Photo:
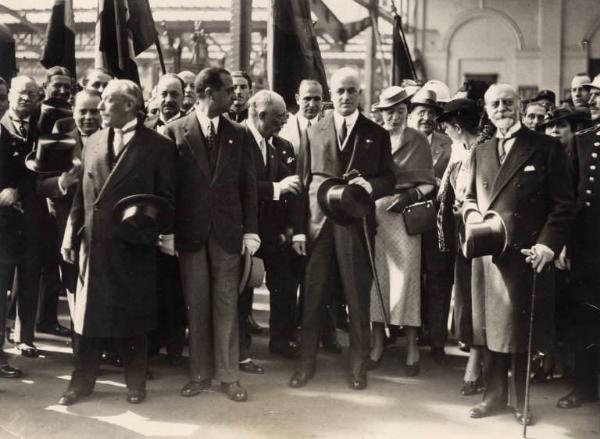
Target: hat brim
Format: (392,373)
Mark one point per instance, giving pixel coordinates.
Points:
(334,215)
(382,106)
(161,203)
(253,272)
(32,164)
(437,108)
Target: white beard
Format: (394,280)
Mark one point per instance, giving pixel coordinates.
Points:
(505,123)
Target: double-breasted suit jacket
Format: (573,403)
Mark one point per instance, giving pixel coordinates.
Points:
(116,292)
(532,192)
(371,157)
(223,201)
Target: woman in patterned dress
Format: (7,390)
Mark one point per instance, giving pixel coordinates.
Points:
(398,254)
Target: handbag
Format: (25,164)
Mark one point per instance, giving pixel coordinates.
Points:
(419,217)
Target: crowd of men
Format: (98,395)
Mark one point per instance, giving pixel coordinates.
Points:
(231,172)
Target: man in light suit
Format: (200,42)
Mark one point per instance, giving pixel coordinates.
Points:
(215,219)
(116,291)
(437,267)
(524,177)
(343,140)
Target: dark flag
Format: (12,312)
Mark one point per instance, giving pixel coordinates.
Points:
(294,52)
(60,37)
(125,28)
(402,64)
(8,66)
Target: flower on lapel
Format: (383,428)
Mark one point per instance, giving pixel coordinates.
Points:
(290,160)
(230,141)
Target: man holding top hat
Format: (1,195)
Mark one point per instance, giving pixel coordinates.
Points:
(342,144)
(121,205)
(522,176)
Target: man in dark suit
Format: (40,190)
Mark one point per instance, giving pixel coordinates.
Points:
(116,291)
(215,219)
(19,127)
(524,177)
(437,267)
(242,89)
(276,182)
(583,295)
(343,140)
(170,331)
(59,191)
(20,217)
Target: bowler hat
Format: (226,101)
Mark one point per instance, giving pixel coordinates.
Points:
(487,238)
(52,110)
(425,98)
(140,217)
(253,272)
(52,155)
(343,203)
(459,108)
(391,96)
(560,114)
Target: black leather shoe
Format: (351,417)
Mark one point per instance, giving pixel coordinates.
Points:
(573,400)
(371,364)
(193,388)
(174,359)
(136,396)
(28,351)
(300,378)
(7,371)
(53,329)
(235,391)
(287,350)
(439,356)
(331,346)
(251,367)
(254,327)
(482,410)
(71,396)
(412,370)
(520,417)
(358,382)
(472,387)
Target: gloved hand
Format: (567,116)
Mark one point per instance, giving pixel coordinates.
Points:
(251,242)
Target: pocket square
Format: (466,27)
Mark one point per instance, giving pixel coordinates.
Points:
(369,141)
(15,154)
(529,168)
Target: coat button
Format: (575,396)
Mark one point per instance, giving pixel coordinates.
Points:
(588,204)
(592,167)
(594,155)
(588,191)
(596,143)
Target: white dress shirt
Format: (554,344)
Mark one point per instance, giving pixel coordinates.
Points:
(261,142)
(126,133)
(510,135)
(338,120)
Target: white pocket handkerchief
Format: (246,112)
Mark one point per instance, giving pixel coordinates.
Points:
(529,168)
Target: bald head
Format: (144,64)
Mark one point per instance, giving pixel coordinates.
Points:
(502,105)
(345,91)
(266,110)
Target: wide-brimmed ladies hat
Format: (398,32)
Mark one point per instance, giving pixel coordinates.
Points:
(573,116)
(459,108)
(391,96)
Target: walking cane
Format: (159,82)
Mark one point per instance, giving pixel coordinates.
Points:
(529,347)
(375,278)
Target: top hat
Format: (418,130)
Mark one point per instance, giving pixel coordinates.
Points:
(253,272)
(343,203)
(53,154)
(560,114)
(391,96)
(459,108)
(487,238)
(140,217)
(52,110)
(426,98)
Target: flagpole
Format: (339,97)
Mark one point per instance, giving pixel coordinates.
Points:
(384,69)
(160,56)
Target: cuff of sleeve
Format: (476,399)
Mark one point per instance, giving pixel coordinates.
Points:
(299,238)
(253,236)
(61,188)
(276,191)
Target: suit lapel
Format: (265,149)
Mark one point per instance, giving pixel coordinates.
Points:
(330,145)
(261,170)
(436,148)
(226,139)
(195,142)
(272,161)
(10,126)
(520,152)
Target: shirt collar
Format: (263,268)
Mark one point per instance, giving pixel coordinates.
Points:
(129,126)
(350,119)
(15,117)
(205,120)
(257,136)
(510,133)
(303,121)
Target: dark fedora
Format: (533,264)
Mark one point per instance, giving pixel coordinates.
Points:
(253,272)
(459,108)
(343,203)
(487,238)
(426,98)
(140,217)
(52,155)
(51,111)
(572,116)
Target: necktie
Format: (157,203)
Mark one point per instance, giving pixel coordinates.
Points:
(502,149)
(263,150)
(211,138)
(118,141)
(343,132)
(23,128)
